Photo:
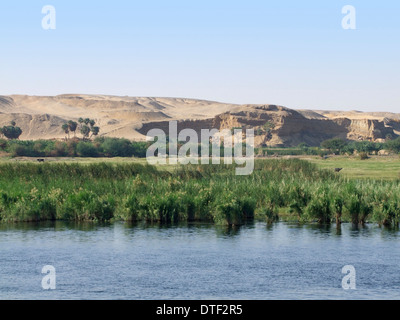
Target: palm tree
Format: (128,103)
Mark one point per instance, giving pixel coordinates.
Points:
(95,131)
(65,127)
(87,127)
(72,126)
(85,130)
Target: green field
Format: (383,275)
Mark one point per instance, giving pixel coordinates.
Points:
(377,168)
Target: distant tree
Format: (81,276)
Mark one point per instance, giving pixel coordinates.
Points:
(268,127)
(114,147)
(393,145)
(11,132)
(86,149)
(85,130)
(65,128)
(334,145)
(367,146)
(87,127)
(72,126)
(95,131)
(59,150)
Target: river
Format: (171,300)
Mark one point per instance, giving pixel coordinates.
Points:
(284,261)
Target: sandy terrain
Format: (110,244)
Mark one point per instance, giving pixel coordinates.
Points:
(42,117)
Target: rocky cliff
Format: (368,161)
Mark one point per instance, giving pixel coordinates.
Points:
(133,117)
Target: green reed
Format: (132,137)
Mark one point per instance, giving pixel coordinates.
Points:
(277,190)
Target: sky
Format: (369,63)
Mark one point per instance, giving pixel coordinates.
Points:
(287,52)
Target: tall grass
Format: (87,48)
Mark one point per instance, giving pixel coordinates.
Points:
(278,189)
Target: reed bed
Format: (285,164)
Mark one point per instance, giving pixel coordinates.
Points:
(278,189)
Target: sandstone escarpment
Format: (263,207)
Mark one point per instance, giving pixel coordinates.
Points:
(134,117)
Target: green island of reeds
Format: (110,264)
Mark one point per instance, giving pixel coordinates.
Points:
(279,189)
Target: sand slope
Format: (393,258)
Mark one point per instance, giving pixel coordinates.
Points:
(41,117)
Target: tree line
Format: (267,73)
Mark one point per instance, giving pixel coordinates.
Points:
(341,146)
(99,147)
(87,127)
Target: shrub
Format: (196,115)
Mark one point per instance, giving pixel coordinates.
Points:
(19,151)
(85,206)
(353,207)
(388,213)
(298,198)
(393,145)
(228,210)
(3,144)
(11,132)
(338,204)
(113,147)
(60,149)
(334,145)
(269,213)
(364,156)
(247,206)
(86,149)
(131,209)
(319,208)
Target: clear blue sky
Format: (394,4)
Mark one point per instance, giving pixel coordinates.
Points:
(287,52)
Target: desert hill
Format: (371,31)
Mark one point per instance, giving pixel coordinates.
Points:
(132,117)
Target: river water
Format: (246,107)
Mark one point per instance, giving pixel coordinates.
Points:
(283,261)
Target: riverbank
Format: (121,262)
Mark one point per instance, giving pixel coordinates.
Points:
(279,189)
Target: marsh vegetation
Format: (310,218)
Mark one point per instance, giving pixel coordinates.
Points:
(290,190)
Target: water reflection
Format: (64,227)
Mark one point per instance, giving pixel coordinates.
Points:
(227,231)
(389,232)
(338,229)
(309,229)
(27,226)
(360,230)
(220,230)
(53,226)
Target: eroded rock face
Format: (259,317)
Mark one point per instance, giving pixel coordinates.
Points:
(280,126)
(134,117)
(290,128)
